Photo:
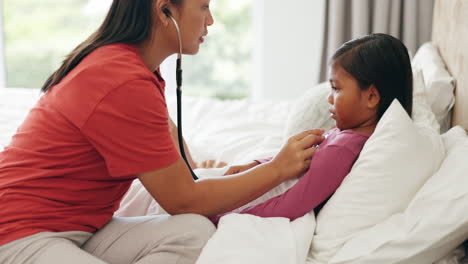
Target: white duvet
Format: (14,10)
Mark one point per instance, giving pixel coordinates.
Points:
(246,239)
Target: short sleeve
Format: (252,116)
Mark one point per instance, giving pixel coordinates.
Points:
(129,128)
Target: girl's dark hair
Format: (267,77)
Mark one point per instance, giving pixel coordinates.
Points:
(383,61)
(128,21)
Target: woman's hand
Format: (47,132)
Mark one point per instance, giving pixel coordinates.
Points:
(295,156)
(240,168)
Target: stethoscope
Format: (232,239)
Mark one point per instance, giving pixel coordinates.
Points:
(179,93)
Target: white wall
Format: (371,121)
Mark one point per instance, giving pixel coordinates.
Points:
(2,50)
(288,44)
(168,68)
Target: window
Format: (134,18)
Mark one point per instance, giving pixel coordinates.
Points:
(39,34)
(223,66)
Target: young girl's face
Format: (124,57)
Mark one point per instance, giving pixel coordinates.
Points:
(351,107)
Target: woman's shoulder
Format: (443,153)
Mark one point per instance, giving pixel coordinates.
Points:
(119,61)
(112,72)
(108,68)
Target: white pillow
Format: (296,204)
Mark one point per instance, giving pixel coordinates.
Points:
(438,81)
(422,114)
(435,222)
(393,165)
(310,111)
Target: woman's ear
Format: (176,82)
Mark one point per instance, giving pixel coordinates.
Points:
(373,97)
(159,13)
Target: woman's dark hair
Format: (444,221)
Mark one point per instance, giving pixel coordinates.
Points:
(128,21)
(383,61)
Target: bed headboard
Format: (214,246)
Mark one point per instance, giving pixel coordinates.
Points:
(449,34)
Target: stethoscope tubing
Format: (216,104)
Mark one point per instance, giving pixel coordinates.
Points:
(179,132)
(179,99)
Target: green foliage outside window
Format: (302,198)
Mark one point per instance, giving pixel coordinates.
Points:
(222,68)
(39,34)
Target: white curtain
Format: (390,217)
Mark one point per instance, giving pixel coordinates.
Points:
(408,20)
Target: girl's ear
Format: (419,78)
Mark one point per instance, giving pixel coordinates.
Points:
(373,97)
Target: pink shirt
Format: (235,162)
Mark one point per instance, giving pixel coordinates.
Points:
(330,164)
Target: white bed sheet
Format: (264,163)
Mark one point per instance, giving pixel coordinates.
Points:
(235,131)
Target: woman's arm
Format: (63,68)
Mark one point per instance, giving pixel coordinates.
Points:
(177,193)
(241,168)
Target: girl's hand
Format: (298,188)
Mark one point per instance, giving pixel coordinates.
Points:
(206,164)
(295,156)
(240,168)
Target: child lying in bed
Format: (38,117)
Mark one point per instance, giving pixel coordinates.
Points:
(366,75)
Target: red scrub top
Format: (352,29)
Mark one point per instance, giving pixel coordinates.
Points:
(78,150)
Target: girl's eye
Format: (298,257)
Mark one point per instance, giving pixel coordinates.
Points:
(334,88)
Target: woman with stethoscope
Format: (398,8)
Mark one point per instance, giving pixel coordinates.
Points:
(101,123)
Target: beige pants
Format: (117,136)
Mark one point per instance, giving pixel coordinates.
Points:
(147,239)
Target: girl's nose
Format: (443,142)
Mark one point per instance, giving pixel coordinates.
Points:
(330,98)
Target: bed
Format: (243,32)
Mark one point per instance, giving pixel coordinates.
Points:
(241,130)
